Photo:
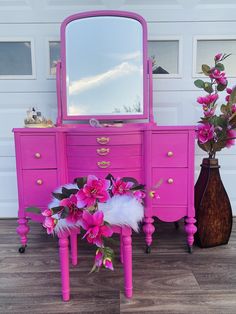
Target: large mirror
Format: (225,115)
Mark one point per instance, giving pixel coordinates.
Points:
(104,68)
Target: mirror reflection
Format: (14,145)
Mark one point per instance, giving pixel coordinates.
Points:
(104,66)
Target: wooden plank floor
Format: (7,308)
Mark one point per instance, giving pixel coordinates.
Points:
(169,280)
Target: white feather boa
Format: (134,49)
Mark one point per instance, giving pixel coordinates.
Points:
(120,210)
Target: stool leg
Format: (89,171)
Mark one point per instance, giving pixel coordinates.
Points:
(74,247)
(64,262)
(127,256)
(121,250)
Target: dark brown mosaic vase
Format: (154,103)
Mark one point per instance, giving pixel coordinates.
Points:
(212,205)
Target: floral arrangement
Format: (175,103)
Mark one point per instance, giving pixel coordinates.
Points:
(216,131)
(93,205)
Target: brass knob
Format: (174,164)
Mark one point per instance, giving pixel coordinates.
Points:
(103,164)
(170,181)
(39,181)
(170,154)
(37,155)
(103,140)
(103,151)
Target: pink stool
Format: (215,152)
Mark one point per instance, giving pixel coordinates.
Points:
(125,257)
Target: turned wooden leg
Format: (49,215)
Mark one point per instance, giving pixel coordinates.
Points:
(190,229)
(127,263)
(23,230)
(74,247)
(121,249)
(64,264)
(148,229)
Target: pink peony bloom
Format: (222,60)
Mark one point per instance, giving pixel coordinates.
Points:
(205,132)
(95,189)
(49,224)
(75,214)
(231,134)
(218,76)
(95,227)
(233,108)
(218,56)
(139,195)
(120,187)
(207,100)
(98,258)
(108,263)
(47,213)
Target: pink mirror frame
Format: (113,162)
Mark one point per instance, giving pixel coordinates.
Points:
(61,71)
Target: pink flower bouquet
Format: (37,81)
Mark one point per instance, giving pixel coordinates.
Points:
(216,131)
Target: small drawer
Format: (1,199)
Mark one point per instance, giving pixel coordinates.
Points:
(104,139)
(104,162)
(38,152)
(169,150)
(111,151)
(38,186)
(173,189)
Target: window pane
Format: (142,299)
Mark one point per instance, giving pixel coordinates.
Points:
(165,56)
(15,58)
(207,49)
(54,48)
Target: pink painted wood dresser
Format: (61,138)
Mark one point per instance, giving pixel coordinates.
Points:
(113,84)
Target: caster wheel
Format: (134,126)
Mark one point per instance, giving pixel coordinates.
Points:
(148,249)
(176,225)
(22,249)
(190,249)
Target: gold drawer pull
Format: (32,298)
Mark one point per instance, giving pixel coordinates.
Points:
(103,151)
(103,164)
(170,181)
(39,182)
(103,140)
(170,154)
(37,155)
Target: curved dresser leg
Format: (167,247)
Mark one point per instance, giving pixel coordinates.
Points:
(148,229)
(127,263)
(23,230)
(190,229)
(64,264)
(74,247)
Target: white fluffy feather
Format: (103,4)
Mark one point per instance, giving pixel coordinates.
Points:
(123,210)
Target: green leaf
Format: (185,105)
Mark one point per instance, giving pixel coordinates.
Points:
(80,182)
(57,209)
(59,196)
(32,209)
(232,97)
(138,187)
(68,192)
(65,212)
(208,87)
(199,83)
(221,87)
(206,69)
(110,177)
(206,146)
(220,66)
(130,179)
(223,109)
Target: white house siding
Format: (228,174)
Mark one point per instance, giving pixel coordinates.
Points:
(174,98)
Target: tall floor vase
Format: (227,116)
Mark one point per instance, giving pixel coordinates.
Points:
(212,205)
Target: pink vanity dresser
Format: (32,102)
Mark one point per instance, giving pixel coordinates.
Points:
(104,74)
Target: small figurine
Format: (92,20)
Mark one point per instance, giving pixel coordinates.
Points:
(34,119)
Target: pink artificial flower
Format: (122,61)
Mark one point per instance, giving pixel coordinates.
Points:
(154,195)
(94,225)
(233,108)
(207,100)
(95,189)
(98,258)
(139,195)
(218,76)
(208,112)
(108,263)
(49,224)
(227,98)
(120,187)
(47,213)
(229,90)
(75,214)
(205,132)
(231,134)
(218,56)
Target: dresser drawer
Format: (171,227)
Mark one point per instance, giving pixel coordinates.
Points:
(38,152)
(173,189)
(112,151)
(104,139)
(38,186)
(169,150)
(105,162)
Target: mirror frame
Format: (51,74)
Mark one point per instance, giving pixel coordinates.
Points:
(83,15)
